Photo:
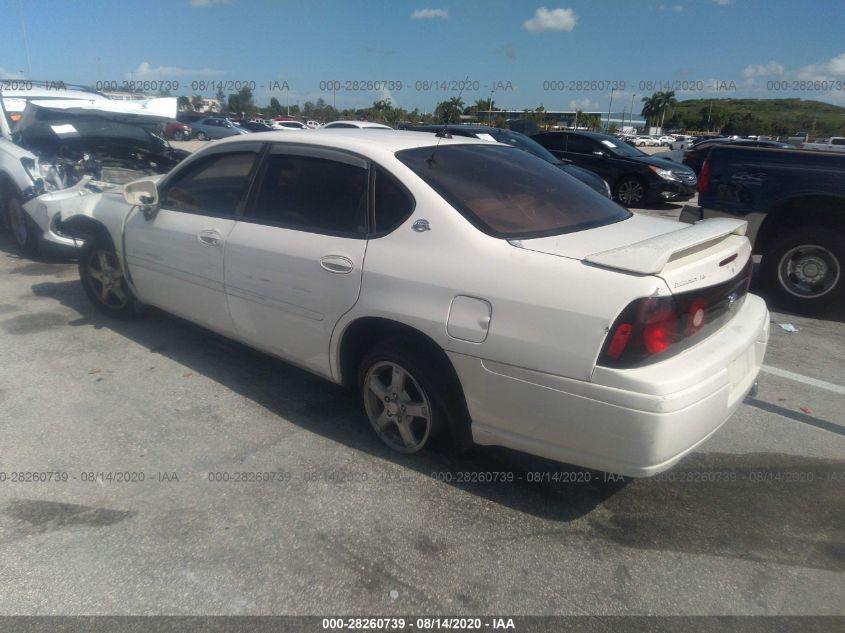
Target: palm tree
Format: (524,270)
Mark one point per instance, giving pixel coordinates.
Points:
(667,100)
(651,107)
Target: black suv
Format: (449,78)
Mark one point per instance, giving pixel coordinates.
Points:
(635,178)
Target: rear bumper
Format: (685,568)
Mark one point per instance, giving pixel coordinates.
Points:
(635,422)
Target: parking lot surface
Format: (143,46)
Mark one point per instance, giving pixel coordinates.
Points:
(191,475)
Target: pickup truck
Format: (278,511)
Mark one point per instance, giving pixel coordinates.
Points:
(794,203)
(832,144)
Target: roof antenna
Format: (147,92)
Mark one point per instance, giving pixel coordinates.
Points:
(444,133)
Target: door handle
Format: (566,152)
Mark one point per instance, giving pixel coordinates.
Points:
(210,237)
(337,264)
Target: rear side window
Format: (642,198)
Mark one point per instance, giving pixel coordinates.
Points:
(213,186)
(556,142)
(393,204)
(508,193)
(580,144)
(312,194)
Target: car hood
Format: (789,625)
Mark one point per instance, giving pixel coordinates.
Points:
(662,163)
(46,124)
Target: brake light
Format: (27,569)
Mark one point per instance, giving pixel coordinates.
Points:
(704,177)
(660,330)
(651,328)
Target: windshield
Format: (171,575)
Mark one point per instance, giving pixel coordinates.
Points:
(508,193)
(620,148)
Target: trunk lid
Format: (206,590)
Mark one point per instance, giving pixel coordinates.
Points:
(687,257)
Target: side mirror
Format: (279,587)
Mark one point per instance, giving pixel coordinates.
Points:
(600,153)
(142,193)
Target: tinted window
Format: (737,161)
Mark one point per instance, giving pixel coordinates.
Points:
(554,142)
(313,194)
(393,204)
(579,144)
(509,193)
(213,186)
(332,125)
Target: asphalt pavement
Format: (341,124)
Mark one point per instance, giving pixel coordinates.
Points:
(151,467)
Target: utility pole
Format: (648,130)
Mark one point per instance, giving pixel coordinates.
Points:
(610,105)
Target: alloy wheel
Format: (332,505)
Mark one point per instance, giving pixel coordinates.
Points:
(630,192)
(106,278)
(397,406)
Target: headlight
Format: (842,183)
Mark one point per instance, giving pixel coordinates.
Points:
(666,174)
(606,188)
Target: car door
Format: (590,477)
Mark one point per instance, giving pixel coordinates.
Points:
(587,153)
(175,257)
(294,261)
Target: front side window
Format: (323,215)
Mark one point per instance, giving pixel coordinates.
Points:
(312,194)
(508,193)
(214,186)
(579,145)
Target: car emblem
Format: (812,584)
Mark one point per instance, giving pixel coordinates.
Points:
(732,299)
(421,226)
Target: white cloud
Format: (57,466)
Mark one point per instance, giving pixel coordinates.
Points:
(8,74)
(763,70)
(430,14)
(833,68)
(678,8)
(551,20)
(722,2)
(583,104)
(200,4)
(145,71)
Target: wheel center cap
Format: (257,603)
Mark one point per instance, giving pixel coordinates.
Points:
(392,408)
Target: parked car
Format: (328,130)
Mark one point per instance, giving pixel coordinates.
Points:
(634,177)
(253,126)
(473,312)
(694,156)
(66,150)
(216,127)
(176,131)
(794,203)
(665,141)
(832,144)
(645,141)
(355,124)
(289,125)
(313,124)
(522,142)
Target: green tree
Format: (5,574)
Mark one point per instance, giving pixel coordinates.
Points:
(449,111)
(275,108)
(220,97)
(197,103)
(183,103)
(651,108)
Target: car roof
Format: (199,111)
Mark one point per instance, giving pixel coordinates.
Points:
(356,140)
(359,123)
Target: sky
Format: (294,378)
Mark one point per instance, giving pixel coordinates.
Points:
(520,53)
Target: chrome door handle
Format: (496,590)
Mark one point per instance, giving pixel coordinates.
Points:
(337,264)
(210,238)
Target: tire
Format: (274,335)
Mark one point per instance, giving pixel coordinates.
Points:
(181,135)
(396,378)
(202,136)
(630,191)
(25,232)
(102,279)
(804,271)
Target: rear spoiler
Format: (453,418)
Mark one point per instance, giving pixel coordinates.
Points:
(650,256)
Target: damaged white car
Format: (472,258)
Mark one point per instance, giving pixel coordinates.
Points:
(59,149)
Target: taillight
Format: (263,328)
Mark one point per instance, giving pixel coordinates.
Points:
(704,177)
(660,330)
(651,328)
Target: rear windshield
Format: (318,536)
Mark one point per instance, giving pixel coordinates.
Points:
(508,193)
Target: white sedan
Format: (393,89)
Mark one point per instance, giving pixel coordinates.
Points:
(459,286)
